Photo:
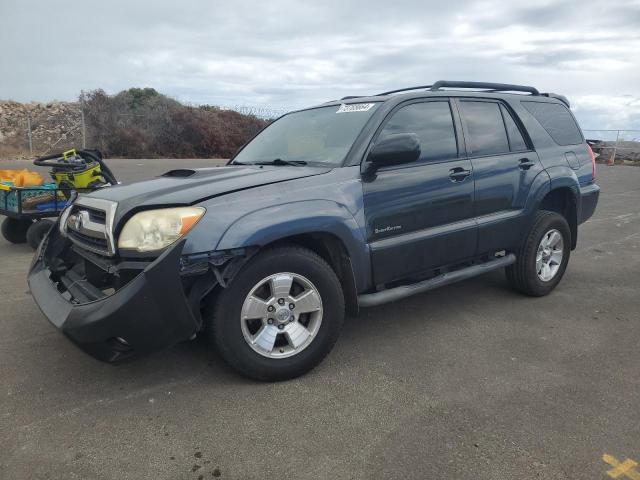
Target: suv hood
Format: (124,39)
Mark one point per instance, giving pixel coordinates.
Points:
(190,186)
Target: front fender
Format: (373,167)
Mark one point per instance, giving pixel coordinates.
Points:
(270,224)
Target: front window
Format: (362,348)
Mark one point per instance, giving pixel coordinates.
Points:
(320,136)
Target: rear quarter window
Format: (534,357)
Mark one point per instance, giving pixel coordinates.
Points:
(556,120)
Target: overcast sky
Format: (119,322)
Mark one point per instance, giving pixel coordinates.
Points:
(285,54)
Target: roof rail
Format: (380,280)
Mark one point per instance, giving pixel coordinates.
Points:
(423,87)
(494,87)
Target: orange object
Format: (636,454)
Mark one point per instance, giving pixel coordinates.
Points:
(21,178)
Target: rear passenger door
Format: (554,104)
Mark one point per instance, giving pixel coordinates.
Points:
(504,166)
(420,215)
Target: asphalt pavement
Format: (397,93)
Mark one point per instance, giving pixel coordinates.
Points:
(471,381)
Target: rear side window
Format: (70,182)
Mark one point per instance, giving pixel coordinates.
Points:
(556,120)
(516,140)
(432,122)
(486,132)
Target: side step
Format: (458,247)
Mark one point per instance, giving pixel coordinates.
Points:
(397,293)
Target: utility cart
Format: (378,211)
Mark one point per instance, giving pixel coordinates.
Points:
(29,209)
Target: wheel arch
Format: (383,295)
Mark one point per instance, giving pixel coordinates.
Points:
(324,227)
(332,250)
(563,200)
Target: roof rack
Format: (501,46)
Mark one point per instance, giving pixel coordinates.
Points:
(493,87)
(423,87)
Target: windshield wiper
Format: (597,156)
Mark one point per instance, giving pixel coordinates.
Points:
(279,162)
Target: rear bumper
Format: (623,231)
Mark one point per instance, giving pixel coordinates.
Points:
(589,195)
(149,313)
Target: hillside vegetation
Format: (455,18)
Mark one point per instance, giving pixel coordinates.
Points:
(135,123)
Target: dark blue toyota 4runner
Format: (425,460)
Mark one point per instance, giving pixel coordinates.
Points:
(349,204)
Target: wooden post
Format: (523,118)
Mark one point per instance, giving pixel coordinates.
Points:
(612,158)
(29,134)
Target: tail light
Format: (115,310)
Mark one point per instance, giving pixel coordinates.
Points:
(593,163)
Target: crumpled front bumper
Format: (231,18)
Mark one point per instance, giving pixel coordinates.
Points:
(148,314)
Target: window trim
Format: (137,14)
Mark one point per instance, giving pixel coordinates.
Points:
(504,109)
(460,146)
(465,127)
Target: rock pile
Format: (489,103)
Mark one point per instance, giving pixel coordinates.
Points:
(625,151)
(50,123)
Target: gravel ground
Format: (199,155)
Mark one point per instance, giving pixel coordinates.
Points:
(471,381)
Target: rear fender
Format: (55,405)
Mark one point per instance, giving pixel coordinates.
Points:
(564,177)
(540,186)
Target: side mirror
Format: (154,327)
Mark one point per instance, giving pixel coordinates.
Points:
(395,149)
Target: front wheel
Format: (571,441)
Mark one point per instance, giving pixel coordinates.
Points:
(543,259)
(280,316)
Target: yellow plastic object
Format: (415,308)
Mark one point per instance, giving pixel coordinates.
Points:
(21,178)
(69,153)
(78,179)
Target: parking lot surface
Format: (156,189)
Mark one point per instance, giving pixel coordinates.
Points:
(472,381)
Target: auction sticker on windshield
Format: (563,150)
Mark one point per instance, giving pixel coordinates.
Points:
(355,107)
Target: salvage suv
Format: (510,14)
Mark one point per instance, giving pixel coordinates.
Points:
(349,204)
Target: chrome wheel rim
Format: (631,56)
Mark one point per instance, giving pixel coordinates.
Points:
(281,315)
(549,255)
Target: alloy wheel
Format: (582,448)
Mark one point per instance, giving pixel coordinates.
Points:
(281,315)
(549,255)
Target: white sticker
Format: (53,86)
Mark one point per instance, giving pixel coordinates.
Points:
(355,107)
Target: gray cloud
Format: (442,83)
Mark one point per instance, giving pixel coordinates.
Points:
(288,54)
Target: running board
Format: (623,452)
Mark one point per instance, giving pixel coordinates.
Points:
(393,294)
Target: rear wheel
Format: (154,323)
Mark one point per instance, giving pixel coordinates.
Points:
(14,230)
(37,231)
(280,316)
(543,259)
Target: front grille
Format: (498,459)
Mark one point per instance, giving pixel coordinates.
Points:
(88,224)
(87,241)
(97,216)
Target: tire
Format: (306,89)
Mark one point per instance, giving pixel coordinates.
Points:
(14,230)
(525,275)
(228,331)
(37,231)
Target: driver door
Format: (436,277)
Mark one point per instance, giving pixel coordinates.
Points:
(419,216)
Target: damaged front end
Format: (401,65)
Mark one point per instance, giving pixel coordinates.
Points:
(115,308)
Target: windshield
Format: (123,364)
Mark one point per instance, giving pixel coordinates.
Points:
(321,136)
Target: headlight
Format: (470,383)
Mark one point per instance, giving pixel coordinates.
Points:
(156,229)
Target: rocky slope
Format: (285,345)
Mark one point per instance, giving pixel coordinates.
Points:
(54,124)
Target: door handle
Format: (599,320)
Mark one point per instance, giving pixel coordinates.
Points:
(526,164)
(458,174)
